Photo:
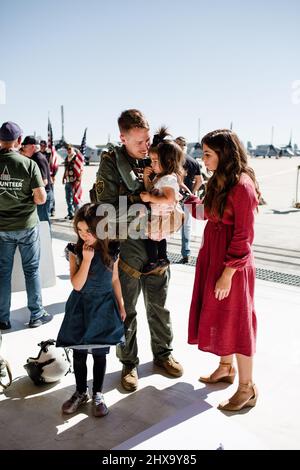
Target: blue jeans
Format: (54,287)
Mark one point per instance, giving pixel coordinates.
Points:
(43,210)
(28,241)
(186,233)
(52,199)
(70,199)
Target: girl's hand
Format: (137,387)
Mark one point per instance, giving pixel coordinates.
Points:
(222,287)
(145,196)
(87,252)
(122,314)
(147,171)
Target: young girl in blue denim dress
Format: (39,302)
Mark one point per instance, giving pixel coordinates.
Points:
(95,311)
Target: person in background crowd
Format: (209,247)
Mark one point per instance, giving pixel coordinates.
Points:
(193,180)
(30,148)
(53,170)
(21,189)
(70,179)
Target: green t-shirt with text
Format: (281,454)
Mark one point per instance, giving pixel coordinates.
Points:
(19,175)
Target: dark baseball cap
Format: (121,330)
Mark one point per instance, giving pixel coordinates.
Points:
(10,131)
(43,142)
(30,140)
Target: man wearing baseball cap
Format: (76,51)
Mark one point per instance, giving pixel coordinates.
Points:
(31,150)
(53,166)
(21,189)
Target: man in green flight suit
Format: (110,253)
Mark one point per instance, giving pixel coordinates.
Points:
(115,170)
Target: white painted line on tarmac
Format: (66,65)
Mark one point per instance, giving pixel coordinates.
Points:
(270,175)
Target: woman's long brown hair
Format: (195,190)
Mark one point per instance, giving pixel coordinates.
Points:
(232,163)
(88,214)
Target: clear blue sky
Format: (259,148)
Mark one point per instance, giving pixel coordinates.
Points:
(176,60)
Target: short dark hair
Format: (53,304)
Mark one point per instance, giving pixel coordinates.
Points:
(132,118)
(30,140)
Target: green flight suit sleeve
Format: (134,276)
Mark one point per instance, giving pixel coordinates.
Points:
(108,180)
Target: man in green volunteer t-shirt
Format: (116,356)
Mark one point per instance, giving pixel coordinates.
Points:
(21,189)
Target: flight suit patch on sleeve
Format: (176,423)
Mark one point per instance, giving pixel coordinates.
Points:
(99,187)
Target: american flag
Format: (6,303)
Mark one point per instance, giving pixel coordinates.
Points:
(53,163)
(83,145)
(78,168)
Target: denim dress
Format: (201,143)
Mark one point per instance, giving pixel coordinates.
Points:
(92,319)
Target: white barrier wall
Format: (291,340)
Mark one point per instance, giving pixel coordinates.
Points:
(47,269)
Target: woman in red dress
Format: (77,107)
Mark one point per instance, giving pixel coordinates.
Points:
(222,317)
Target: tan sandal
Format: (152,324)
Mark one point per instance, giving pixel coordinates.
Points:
(245,396)
(228,377)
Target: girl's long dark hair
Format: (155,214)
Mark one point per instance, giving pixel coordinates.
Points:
(232,163)
(88,214)
(170,155)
